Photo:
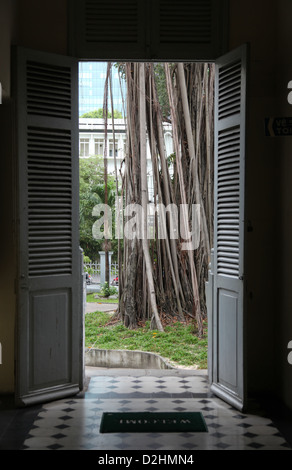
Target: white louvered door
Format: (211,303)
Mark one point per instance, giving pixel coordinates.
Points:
(49,316)
(228,366)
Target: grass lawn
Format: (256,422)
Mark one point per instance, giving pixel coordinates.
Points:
(94,297)
(178,344)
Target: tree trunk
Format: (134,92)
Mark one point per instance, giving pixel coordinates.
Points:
(106,241)
(144,191)
(196,307)
(158,276)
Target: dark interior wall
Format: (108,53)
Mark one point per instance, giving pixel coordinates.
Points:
(247,26)
(282,189)
(37,25)
(265,25)
(43,25)
(8,31)
(7,251)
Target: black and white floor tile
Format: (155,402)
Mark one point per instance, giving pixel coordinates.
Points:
(74,423)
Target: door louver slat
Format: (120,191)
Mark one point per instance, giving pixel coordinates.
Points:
(228,199)
(48,90)
(111,21)
(49,201)
(160,30)
(229,83)
(187,21)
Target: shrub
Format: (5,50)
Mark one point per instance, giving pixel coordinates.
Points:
(107,290)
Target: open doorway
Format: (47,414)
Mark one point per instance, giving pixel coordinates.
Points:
(160,287)
(50,288)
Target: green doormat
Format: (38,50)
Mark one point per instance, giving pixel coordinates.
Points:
(153,422)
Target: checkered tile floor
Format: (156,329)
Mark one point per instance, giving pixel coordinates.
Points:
(74,423)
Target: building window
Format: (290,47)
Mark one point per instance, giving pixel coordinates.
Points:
(111,148)
(99,147)
(84,147)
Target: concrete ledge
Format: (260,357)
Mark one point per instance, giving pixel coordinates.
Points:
(124,359)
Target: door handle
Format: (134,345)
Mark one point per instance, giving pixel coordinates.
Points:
(23,283)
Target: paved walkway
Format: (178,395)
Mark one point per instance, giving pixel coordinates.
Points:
(97,306)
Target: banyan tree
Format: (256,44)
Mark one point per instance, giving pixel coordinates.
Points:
(162,275)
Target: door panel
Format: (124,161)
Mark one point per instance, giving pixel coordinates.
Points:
(49,320)
(228,323)
(228,366)
(49,344)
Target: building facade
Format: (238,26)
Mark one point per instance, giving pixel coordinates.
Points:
(92,77)
(93,142)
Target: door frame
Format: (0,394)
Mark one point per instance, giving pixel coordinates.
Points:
(81,373)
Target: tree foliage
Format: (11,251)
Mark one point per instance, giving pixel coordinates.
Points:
(91,193)
(160,82)
(99,113)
